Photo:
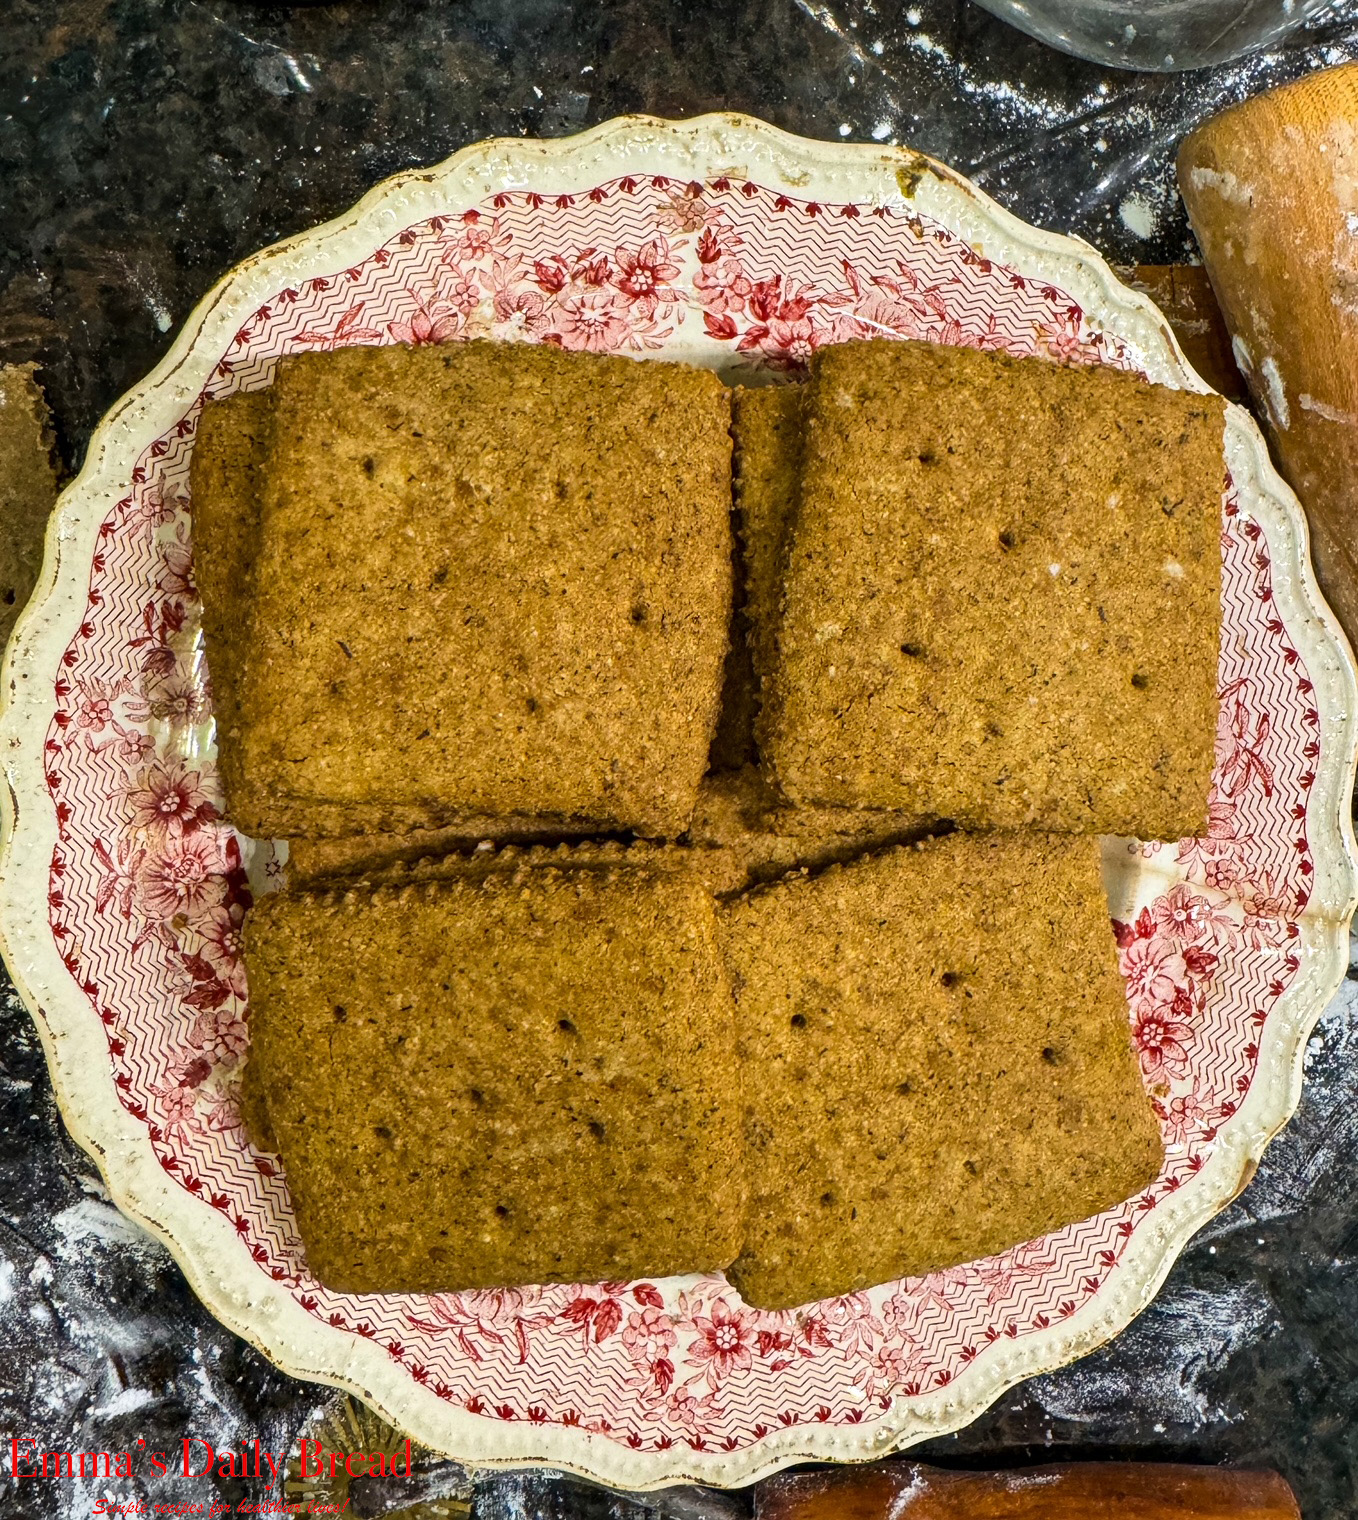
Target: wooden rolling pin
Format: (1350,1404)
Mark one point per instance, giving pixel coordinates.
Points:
(1271,188)
(1079,1491)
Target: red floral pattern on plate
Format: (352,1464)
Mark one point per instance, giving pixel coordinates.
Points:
(149,886)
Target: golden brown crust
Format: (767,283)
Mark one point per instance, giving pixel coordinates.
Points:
(936,1058)
(311,860)
(1002,602)
(527,1079)
(550,532)
(741,828)
(28,488)
(225,473)
(767,426)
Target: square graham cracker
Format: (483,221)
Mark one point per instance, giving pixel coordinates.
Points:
(937,1061)
(493,581)
(1002,597)
(531,1078)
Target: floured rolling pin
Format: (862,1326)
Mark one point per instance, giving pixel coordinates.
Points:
(1078,1491)
(1271,188)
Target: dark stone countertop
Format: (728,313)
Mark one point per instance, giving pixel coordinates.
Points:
(145,147)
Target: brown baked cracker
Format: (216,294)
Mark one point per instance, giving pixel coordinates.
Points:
(28,488)
(319,860)
(767,428)
(1002,600)
(736,827)
(528,1079)
(227,469)
(537,621)
(766,424)
(230,451)
(936,1061)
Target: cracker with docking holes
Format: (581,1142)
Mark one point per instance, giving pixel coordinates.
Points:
(1002,595)
(537,622)
(937,1062)
(531,1078)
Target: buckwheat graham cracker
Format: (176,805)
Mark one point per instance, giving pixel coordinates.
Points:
(766,423)
(937,1062)
(537,621)
(531,1078)
(1002,595)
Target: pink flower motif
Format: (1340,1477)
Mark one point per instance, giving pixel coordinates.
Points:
(593,320)
(723,286)
(177,1108)
(1269,908)
(1061,344)
(153,507)
(521,309)
(643,273)
(474,242)
(176,698)
(176,576)
(722,1343)
(1213,853)
(220,929)
(685,213)
(130,745)
(1183,1116)
(894,1364)
(464,294)
(879,315)
(477,240)
(222,1108)
(96,705)
(1184,917)
(1154,972)
(649,1339)
(693,1414)
(184,875)
(647,1334)
(435,323)
(1160,1044)
(221,1036)
(789,345)
(850,1324)
(169,801)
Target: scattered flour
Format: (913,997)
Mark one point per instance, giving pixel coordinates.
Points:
(1138,216)
(1275,392)
(93,1220)
(1309,403)
(1226,185)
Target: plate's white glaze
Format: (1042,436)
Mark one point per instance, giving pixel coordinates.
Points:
(731,244)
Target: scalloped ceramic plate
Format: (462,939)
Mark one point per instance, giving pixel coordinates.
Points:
(730,244)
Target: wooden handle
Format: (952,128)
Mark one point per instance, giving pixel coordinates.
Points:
(1079,1491)
(1271,188)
